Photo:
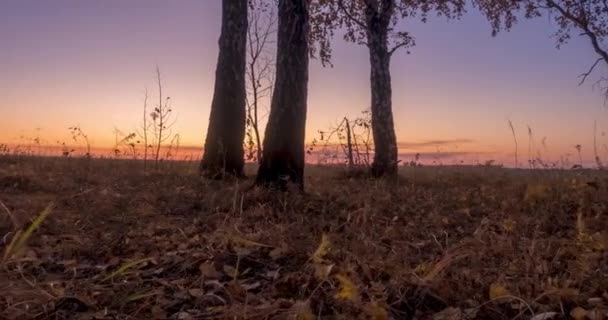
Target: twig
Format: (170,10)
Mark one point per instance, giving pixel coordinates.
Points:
(13,220)
(586,74)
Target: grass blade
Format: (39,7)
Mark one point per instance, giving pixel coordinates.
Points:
(20,239)
(124,268)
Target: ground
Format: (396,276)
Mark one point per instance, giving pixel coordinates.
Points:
(440,243)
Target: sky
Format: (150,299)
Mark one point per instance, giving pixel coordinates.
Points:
(89,62)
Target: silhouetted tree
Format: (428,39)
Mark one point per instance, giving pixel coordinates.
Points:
(260,70)
(373,23)
(162,121)
(224,152)
(587,18)
(283,151)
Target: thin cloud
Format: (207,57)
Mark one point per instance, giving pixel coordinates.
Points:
(432,143)
(443,155)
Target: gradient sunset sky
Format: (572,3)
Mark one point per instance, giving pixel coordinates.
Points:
(88,62)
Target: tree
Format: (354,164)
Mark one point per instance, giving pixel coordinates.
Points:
(145,128)
(283,149)
(162,121)
(587,18)
(373,23)
(223,152)
(260,72)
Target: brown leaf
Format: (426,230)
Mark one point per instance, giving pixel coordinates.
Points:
(347,289)
(376,311)
(158,312)
(578,313)
(499,293)
(279,252)
(301,311)
(242,252)
(323,249)
(208,271)
(235,289)
(251,286)
(322,271)
(545,316)
(196,292)
(448,314)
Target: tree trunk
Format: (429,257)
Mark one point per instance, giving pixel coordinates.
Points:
(385,141)
(224,152)
(349,143)
(283,152)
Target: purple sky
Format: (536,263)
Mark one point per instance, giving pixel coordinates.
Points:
(88,62)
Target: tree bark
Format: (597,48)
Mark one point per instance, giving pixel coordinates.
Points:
(383,128)
(283,151)
(349,143)
(223,152)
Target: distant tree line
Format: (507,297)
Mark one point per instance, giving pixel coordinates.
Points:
(305,29)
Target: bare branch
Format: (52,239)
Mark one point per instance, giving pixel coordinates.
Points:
(586,74)
(397,46)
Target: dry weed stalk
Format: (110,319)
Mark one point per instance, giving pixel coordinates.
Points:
(515,141)
(162,120)
(10,214)
(598,160)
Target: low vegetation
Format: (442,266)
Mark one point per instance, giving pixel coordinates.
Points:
(103,240)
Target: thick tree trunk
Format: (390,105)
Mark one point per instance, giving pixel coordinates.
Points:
(385,141)
(224,152)
(283,152)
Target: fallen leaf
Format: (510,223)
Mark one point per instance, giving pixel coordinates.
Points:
(208,271)
(235,289)
(323,249)
(158,312)
(578,313)
(347,290)
(376,311)
(322,271)
(196,292)
(595,301)
(246,242)
(499,293)
(450,313)
(242,252)
(279,252)
(545,316)
(302,311)
(508,225)
(251,286)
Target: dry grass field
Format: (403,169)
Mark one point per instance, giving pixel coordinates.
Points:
(441,243)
